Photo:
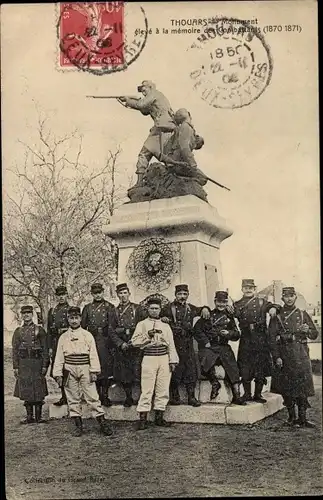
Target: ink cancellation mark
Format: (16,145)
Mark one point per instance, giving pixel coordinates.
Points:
(233,63)
(101,37)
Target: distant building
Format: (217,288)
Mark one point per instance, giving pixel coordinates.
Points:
(274,293)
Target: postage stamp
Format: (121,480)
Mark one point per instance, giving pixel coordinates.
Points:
(233,63)
(100,37)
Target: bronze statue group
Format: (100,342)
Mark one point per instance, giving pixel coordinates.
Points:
(103,344)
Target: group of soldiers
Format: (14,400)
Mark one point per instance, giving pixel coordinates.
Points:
(154,345)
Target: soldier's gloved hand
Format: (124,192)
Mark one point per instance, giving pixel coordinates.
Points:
(205,313)
(224,332)
(305,328)
(279,362)
(43,371)
(172,366)
(151,333)
(124,346)
(272,312)
(15,372)
(50,352)
(230,309)
(93,377)
(59,381)
(208,344)
(165,319)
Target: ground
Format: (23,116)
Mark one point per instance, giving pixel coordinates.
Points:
(266,459)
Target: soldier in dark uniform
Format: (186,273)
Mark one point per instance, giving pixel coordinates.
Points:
(180,314)
(127,358)
(212,336)
(56,325)
(30,363)
(254,359)
(95,319)
(289,332)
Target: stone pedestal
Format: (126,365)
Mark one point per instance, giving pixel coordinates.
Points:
(187,220)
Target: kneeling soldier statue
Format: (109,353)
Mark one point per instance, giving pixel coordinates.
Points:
(212,336)
(76,368)
(30,363)
(292,378)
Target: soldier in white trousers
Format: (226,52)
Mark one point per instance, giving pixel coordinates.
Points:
(76,368)
(160,358)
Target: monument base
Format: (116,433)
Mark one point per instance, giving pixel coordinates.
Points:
(208,413)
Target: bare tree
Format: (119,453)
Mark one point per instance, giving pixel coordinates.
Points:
(52,223)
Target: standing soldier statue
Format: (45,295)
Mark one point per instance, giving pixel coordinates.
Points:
(179,315)
(156,105)
(254,358)
(127,358)
(30,363)
(56,325)
(293,379)
(95,319)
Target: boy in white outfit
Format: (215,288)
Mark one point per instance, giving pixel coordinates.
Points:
(76,368)
(160,358)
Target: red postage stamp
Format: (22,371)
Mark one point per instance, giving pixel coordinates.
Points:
(91,35)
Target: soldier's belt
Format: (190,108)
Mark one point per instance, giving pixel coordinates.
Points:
(77,359)
(30,354)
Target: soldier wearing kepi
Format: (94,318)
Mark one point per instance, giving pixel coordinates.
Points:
(212,336)
(56,325)
(76,367)
(30,363)
(179,315)
(254,358)
(160,358)
(127,358)
(289,332)
(155,104)
(95,319)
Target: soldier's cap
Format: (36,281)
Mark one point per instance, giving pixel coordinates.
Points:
(74,311)
(181,115)
(153,300)
(148,83)
(248,282)
(61,290)
(288,290)
(97,287)
(26,309)
(122,286)
(221,295)
(181,288)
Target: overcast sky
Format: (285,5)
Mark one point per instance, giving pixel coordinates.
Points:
(267,152)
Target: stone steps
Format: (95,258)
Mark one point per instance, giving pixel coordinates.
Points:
(207,413)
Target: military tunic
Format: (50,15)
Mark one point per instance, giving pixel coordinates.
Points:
(254,358)
(30,356)
(122,324)
(181,322)
(56,325)
(289,343)
(220,352)
(95,319)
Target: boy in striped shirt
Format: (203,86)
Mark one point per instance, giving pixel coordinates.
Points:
(160,358)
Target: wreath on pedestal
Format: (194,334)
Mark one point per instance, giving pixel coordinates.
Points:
(153,263)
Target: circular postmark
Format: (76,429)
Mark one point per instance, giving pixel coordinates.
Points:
(233,63)
(100,37)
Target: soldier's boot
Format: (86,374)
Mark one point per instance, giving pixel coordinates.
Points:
(175,399)
(258,397)
(215,384)
(106,401)
(38,413)
(30,413)
(302,419)
(291,415)
(191,399)
(78,431)
(63,400)
(247,391)
(129,400)
(237,399)
(159,419)
(142,424)
(104,425)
